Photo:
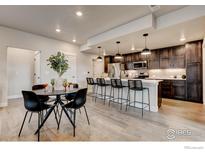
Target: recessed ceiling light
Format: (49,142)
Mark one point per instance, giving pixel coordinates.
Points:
(182,39)
(79,13)
(74,40)
(58,30)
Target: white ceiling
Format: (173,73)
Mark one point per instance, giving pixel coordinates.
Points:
(191,30)
(43,20)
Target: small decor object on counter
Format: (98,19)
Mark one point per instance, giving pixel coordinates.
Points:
(75,85)
(46,87)
(65,84)
(69,83)
(183,76)
(53,84)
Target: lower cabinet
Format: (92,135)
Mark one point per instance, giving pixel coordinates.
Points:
(175,89)
(179,89)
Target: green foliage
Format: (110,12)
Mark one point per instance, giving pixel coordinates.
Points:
(58,63)
(65,83)
(52,82)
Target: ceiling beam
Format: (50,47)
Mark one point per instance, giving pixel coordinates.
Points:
(146,22)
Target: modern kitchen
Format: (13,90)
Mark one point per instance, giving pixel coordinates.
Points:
(178,70)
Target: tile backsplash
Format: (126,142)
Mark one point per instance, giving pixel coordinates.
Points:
(159,73)
(166,73)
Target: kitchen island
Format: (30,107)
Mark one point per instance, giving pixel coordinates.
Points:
(154,89)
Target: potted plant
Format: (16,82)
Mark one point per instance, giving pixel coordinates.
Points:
(65,84)
(60,65)
(52,83)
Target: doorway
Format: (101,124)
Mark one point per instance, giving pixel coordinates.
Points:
(98,68)
(23,70)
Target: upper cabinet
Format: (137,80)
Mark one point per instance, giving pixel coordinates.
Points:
(177,57)
(128,58)
(193,51)
(172,57)
(164,58)
(153,62)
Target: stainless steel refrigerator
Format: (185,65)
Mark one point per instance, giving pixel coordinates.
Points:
(115,69)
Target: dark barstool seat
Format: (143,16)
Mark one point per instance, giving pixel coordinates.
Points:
(117,84)
(136,86)
(102,84)
(91,82)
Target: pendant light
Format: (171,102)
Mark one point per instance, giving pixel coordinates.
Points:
(145,51)
(99,58)
(118,56)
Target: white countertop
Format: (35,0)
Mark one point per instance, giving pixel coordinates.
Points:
(158,78)
(150,81)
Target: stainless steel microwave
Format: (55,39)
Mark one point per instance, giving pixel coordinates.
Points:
(140,65)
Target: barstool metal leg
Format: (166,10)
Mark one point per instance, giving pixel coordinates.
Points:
(134,97)
(118,95)
(96,93)
(121,98)
(142,101)
(128,99)
(110,95)
(148,98)
(104,94)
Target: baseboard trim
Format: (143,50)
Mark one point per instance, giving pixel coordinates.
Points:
(3,104)
(14,96)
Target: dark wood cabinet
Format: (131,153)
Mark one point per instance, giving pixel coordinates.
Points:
(194,71)
(194,81)
(164,58)
(179,89)
(153,60)
(107,60)
(177,57)
(128,58)
(172,57)
(166,89)
(174,89)
(194,51)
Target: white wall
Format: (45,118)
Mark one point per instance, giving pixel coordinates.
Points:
(19,69)
(18,39)
(203,67)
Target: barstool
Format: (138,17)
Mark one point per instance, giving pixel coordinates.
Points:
(91,82)
(102,84)
(117,84)
(136,86)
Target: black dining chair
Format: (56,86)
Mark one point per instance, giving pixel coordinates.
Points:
(77,103)
(33,104)
(43,99)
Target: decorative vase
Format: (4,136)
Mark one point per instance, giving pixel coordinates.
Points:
(58,85)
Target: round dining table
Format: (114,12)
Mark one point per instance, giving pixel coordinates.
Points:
(58,101)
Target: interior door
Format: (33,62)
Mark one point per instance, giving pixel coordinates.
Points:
(37,72)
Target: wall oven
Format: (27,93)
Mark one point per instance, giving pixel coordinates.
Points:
(140,65)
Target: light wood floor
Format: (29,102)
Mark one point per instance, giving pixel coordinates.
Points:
(109,123)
